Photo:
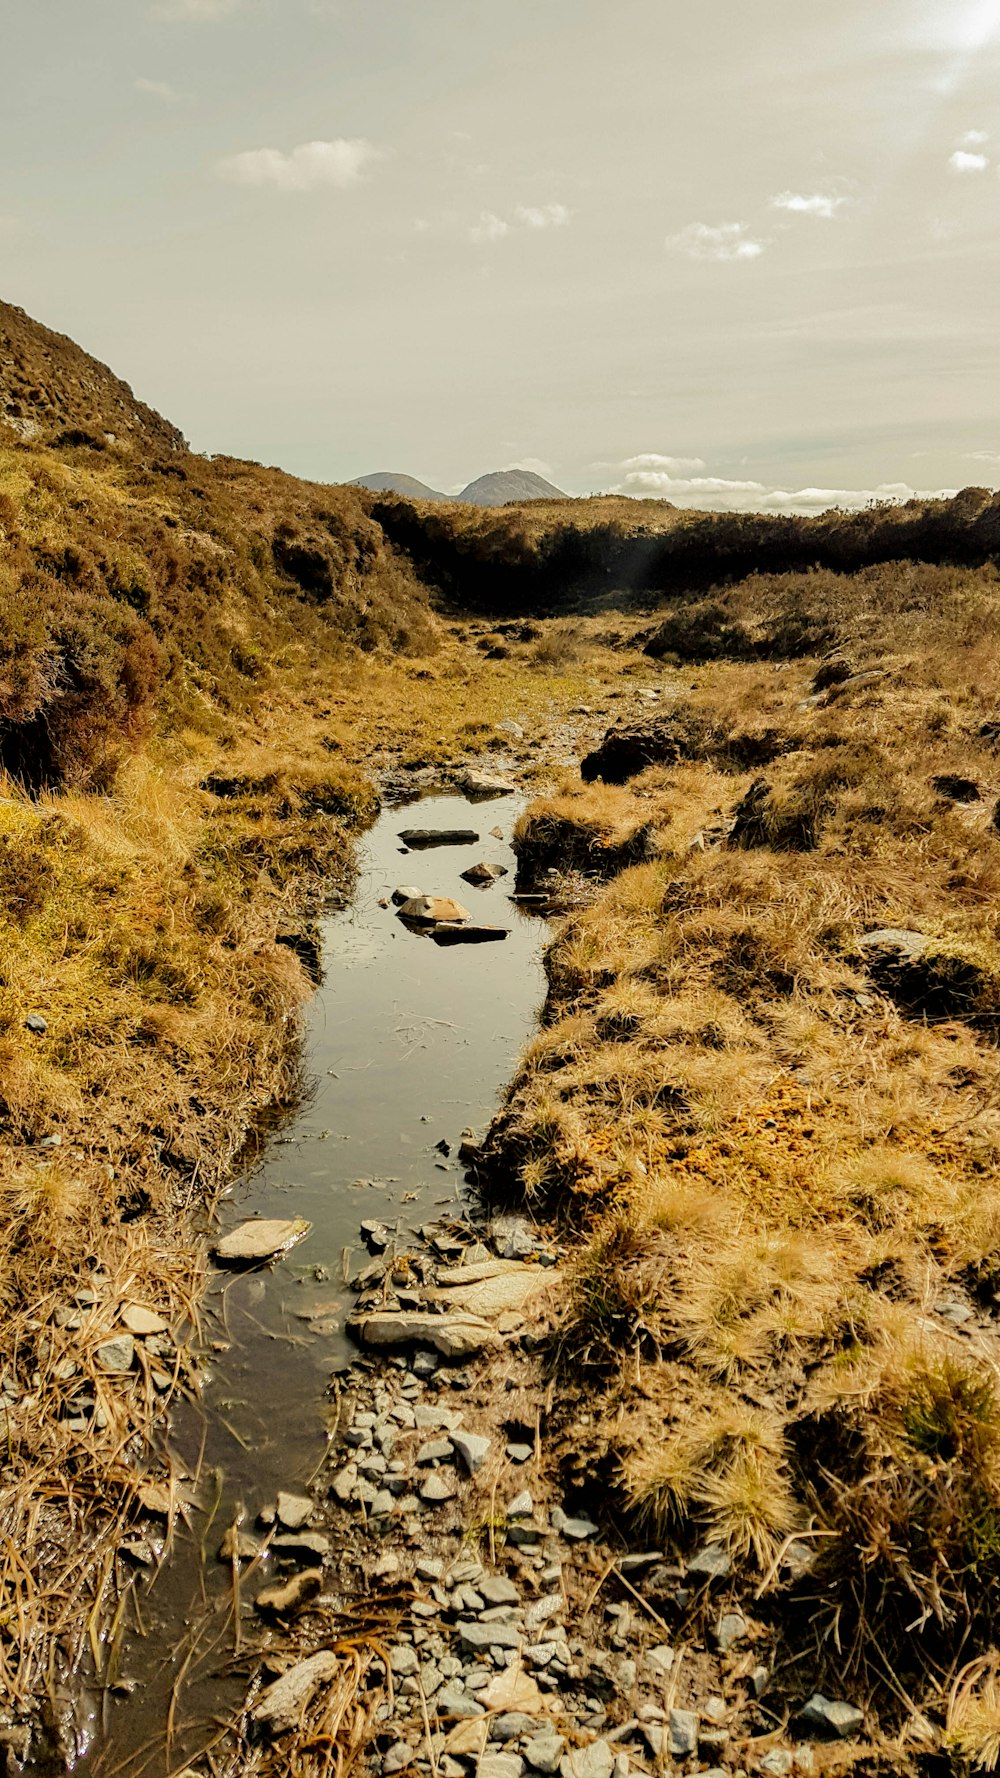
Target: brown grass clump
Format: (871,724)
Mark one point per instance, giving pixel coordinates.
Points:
(595,832)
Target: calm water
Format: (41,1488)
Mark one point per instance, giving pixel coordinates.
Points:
(408,1043)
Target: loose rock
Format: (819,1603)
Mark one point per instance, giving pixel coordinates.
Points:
(420,838)
(472,1448)
(431,910)
(293,1510)
(261,1239)
(283,1600)
(117,1356)
(832,1716)
(683,1733)
(280,1705)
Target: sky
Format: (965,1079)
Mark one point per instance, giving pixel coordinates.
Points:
(732,256)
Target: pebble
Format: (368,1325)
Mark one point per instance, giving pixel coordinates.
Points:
(496,1589)
(473,1449)
(711,1563)
(398,1756)
(34,1022)
(403,1661)
(500,1765)
(436,1450)
(683,1727)
(522,1506)
(118,1355)
(832,1716)
(660,1659)
(513,1723)
(577,1530)
(313,1546)
(777,1762)
(544,1751)
(731,1628)
(478,1637)
(595,1761)
(454,1700)
(520,1453)
(542,1609)
(293,1510)
(427,1418)
(437,1489)
(430,1568)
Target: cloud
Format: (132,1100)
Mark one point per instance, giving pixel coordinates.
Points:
(489,228)
(195,9)
(683,487)
(310,167)
(973,139)
(726,240)
(962,161)
(157,89)
(544,216)
(817,203)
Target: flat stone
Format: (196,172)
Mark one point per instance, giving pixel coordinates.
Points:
(438,1488)
(514,1692)
(118,1355)
(522,1506)
(397,1757)
(261,1239)
(482,874)
(473,1449)
(496,1589)
(280,1706)
(454,1336)
(434,910)
(420,838)
(831,1716)
(308,1546)
(142,1322)
(683,1733)
(436,1450)
(291,1595)
(479,1637)
(483,784)
(578,1530)
(403,1660)
(429,1568)
(551,1605)
(499,1765)
(520,1453)
(544,1751)
(293,1510)
(660,1659)
(454,1700)
(711,1563)
(426,1417)
(595,1761)
(408,893)
(512,1724)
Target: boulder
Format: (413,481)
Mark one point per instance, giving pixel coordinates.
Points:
(453,1336)
(431,910)
(480,785)
(406,893)
(260,1239)
(498,1295)
(484,874)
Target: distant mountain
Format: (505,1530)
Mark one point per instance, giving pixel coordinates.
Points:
(497,489)
(387,481)
(509,484)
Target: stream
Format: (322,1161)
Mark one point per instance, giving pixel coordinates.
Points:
(408,1043)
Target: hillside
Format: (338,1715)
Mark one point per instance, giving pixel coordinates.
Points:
(53,393)
(503,486)
(395,482)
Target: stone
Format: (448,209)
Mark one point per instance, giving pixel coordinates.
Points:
(777,1762)
(908,946)
(405,894)
(711,1563)
(520,1453)
(429,1568)
(831,1716)
(280,1705)
(544,1751)
(493,1288)
(514,1693)
(731,1628)
(403,1660)
(547,1607)
(513,1237)
(291,1596)
(420,838)
(142,1322)
(577,1530)
(469,934)
(523,1534)
(438,1488)
(435,1450)
(293,1510)
(432,910)
(34,1022)
(454,1700)
(660,1659)
(496,1589)
(473,1449)
(484,873)
(118,1355)
(760,1679)
(398,1756)
(261,1238)
(454,1336)
(238,1546)
(595,1761)
(476,784)
(479,1637)
(382,1505)
(307,1546)
(427,1417)
(500,1765)
(683,1733)
(345,1484)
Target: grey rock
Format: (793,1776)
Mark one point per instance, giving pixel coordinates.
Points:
(660,1659)
(438,1488)
(520,1453)
(652,1734)
(344,1484)
(279,1706)
(34,1022)
(760,1679)
(403,1661)
(454,1700)
(308,1546)
(712,1741)
(427,1418)
(429,1568)
(478,1637)
(683,1733)
(405,893)
(523,1534)
(512,1724)
(595,1761)
(496,1589)
(118,1355)
(730,1629)
(473,1449)
(831,1716)
(499,1765)
(540,1654)
(522,1506)
(293,1510)
(542,1609)
(777,1762)
(397,1757)
(544,1751)
(435,1450)
(577,1530)
(711,1563)
(636,1563)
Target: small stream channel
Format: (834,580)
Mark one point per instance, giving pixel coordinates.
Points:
(408,1043)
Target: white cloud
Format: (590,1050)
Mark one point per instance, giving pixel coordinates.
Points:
(195,9)
(964,161)
(157,89)
(726,240)
(973,139)
(489,228)
(309,167)
(544,216)
(816,203)
(714,493)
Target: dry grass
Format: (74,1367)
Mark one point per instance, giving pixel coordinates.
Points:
(784,1158)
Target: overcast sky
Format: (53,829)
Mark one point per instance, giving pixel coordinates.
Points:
(734,255)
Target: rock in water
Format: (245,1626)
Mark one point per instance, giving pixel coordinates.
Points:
(454,1336)
(484,873)
(469,935)
(280,1705)
(431,910)
(406,893)
(418,838)
(483,784)
(260,1239)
